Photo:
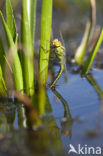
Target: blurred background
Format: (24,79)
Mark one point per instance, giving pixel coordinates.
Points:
(69,17)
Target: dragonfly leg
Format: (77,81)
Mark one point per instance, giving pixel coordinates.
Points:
(45,59)
(52,58)
(45,50)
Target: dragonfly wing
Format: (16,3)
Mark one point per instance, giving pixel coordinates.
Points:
(65,73)
(65,68)
(64,59)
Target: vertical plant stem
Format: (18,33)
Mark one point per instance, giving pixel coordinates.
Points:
(82,49)
(17,70)
(92,54)
(10,19)
(42,100)
(3,88)
(46,21)
(93,18)
(26,39)
(33,19)
(2,55)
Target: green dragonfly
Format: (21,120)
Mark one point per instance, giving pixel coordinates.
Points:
(59,50)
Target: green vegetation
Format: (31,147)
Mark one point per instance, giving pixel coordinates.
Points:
(16,68)
(27,43)
(22,64)
(46,21)
(87,39)
(22,67)
(92,54)
(2,84)
(82,49)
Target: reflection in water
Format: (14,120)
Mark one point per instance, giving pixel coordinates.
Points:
(3,123)
(95,85)
(45,141)
(7,115)
(22,121)
(67,121)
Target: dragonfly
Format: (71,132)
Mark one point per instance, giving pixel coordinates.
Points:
(58,49)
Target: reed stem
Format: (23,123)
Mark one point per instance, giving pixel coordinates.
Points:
(46,22)
(26,40)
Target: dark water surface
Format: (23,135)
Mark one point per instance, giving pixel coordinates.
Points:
(75,109)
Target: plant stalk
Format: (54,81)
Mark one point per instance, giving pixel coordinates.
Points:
(27,56)
(46,22)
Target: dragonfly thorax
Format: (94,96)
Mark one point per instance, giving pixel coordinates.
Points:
(57,49)
(60,50)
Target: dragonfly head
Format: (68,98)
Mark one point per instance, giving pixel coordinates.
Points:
(56,43)
(59,49)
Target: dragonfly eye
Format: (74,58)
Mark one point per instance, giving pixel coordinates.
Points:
(56,43)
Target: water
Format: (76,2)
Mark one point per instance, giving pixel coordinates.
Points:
(76,120)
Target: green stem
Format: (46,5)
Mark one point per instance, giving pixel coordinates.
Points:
(92,54)
(42,100)
(26,39)
(81,51)
(46,21)
(17,70)
(2,55)
(3,89)
(33,18)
